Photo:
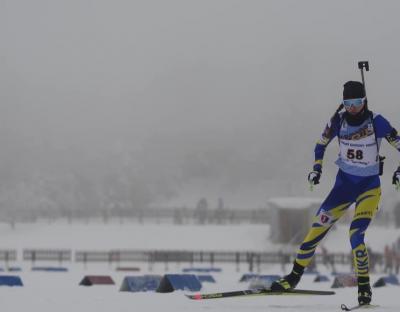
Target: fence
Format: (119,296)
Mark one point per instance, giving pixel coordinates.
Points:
(252,259)
(8,255)
(59,255)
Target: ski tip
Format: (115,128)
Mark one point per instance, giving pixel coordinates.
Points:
(358,307)
(194,297)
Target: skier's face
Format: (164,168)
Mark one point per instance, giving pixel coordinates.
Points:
(354,106)
(354,110)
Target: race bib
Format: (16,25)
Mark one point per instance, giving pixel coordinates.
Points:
(358,146)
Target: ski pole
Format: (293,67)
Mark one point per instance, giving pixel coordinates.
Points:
(361,66)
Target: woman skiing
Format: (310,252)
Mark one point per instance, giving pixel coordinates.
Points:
(359,133)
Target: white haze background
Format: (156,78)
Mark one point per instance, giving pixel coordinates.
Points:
(195,98)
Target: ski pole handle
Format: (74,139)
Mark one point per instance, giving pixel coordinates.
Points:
(361,66)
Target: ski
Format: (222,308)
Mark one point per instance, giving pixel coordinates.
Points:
(358,307)
(258,292)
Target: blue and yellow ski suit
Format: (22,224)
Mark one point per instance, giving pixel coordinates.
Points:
(357,182)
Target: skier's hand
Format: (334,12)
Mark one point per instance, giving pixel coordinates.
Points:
(396,179)
(313,178)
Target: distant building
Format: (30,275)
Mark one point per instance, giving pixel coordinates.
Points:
(291,218)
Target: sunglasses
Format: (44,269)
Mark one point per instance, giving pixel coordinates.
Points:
(354,102)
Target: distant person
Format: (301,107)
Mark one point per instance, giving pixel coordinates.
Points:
(219,213)
(388,255)
(396,213)
(359,133)
(396,262)
(327,259)
(200,212)
(372,259)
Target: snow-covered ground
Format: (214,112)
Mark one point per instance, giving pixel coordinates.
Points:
(60,292)
(100,236)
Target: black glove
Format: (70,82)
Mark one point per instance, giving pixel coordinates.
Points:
(314,176)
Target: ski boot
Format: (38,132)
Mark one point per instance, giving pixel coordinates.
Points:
(364,291)
(289,281)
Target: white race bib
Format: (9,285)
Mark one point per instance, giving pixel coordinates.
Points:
(358,146)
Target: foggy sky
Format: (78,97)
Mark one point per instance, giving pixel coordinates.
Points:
(220,91)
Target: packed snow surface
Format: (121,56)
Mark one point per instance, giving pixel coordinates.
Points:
(50,291)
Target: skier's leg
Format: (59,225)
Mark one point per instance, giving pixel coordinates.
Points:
(332,209)
(366,207)
(321,224)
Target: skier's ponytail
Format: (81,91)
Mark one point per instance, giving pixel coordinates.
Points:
(335,119)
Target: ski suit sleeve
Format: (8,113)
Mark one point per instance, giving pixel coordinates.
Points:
(385,130)
(331,130)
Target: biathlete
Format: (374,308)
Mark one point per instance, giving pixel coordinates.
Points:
(359,132)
